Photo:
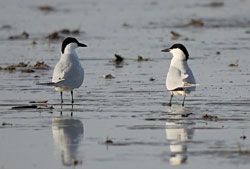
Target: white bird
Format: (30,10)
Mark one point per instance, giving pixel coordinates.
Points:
(180,79)
(68,73)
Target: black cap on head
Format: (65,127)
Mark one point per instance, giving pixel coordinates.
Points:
(178,46)
(181,47)
(69,40)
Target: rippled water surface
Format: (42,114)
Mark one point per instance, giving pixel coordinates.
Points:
(125,122)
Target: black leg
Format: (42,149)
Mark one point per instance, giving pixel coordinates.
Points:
(170,101)
(72,98)
(61,110)
(72,110)
(183,100)
(61,97)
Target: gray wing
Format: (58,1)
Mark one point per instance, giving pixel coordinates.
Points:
(177,77)
(60,71)
(189,77)
(174,78)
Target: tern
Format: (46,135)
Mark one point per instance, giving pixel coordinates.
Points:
(180,79)
(68,73)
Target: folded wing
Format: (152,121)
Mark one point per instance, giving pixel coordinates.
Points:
(180,78)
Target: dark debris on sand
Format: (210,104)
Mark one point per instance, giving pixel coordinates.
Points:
(6,124)
(141,58)
(210,117)
(236,64)
(218,53)
(243,137)
(151,79)
(33,42)
(26,67)
(23,36)
(215,4)
(46,8)
(13,67)
(37,106)
(108,76)
(58,35)
(195,23)
(68,31)
(24,107)
(186,115)
(109,141)
(126,25)
(76,162)
(28,71)
(175,35)
(6,27)
(54,36)
(117,60)
(41,65)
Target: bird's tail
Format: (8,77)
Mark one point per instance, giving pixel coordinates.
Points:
(187,85)
(47,84)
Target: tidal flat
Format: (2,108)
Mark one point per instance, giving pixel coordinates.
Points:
(120,118)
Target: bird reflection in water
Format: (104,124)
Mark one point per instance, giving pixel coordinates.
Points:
(67,135)
(178,132)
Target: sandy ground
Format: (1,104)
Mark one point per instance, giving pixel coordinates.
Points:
(124,122)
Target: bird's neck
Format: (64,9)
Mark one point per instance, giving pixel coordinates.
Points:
(177,61)
(69,49)
(69,54)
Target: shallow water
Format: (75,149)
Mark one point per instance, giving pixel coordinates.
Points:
(129,111)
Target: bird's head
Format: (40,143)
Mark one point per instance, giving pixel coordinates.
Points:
(71,43)
(178,50)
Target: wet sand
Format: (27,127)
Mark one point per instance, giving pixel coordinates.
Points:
(124,122)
